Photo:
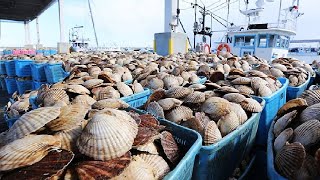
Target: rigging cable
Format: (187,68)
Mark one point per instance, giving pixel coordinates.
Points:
(213,4)
(184,30)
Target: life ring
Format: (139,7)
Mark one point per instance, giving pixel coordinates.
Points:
(207,46)
(223,46)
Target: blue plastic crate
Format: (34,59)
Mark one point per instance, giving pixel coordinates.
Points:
(55,73)
(138,99)
(33,102)
(37,72)
(2,67)
(53,52)
(46,52)
(218,161)
(271,171)
(202,79)
(312,78)
(273,103)
(36,85)
(9,121)
(187,139)
(24,85)
(294,92)
(23,68)
(3,83)
(11,85)
(128,81)
(10,67)
(39,51)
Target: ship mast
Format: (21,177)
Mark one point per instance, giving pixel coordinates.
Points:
(94,29)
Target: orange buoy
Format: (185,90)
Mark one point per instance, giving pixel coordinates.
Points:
(223,46)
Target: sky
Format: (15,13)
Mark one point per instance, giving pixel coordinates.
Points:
(134,22)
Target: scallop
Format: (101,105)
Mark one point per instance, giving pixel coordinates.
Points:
(211,133)
(283,122)
(124,89)
(311,112)
(195,97)
(284,137)
(78,89)
(276,72)
(26,151)
(264,91)
(91,83)
(107,92)
(244,89)
(107,136)
(69,138)
(178,114)
(155,83)
(178,92)
(241,114)
(53,96)
(169,103)
(311,96)
(241,81)
(234,97)
(290,159)
(84,100)
(170,81)
(31,122)
(294,104)
(159,166)
(227,89)
(228,123)
(216,107)
(110,103)
(170,147)
(307,133)
(155,109)
(137,87)
(251,105)
(148,147)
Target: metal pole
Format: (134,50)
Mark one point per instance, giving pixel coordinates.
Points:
(38,32)
(279,13)
(25,33)
(61,20)
(94,29)
(195,20)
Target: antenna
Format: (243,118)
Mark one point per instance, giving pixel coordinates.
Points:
(94,29)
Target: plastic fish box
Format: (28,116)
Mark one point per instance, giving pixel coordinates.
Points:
(10,67)
(11,85)
(24,85)
(271,171)
(55,73)
(37,72)
(36,84)
(138,99)
(294,92)
(2,67)
(128,81)
(273,103)
(219,160)
(23,68)
(3,83)
(46,52)
(202,80)
(188,140)
(53,52)
(33,102)
(39,51)
(9,121)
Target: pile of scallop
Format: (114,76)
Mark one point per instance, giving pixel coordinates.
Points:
(297,137)
(212,113)
(76,142)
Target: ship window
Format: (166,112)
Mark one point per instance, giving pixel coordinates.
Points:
(262,41)
(249,41)
(239,41)
(271,40)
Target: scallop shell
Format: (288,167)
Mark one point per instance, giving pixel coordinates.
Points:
(107,136)
(234,97)
(155,96)
(241,114)
(283,138)
(75,81)
(170,147)
(145,135)
(216,107)
(276,72)
(216,76)
(26,151)
(159,166)
(110,103)
(155,109)
(21,105)
(31,122)
(195,97)
(91,83)
(309,169)
(52,96)
(155,83)
(124,89)
(78,89)
(307,133)
(178,114)
(127,76)
(294,104)
(69,117)
(197,86)
(137,169)
(290,159)
(84,100)
(50,167)
(293,80)
(169,103)
(103,169)
(178,92)
(244,89)
(242,81)
(256,73)
(69,138)
(227,89)
(170,81)
(137,87)
(311,96)
(108,92)
(228,123)
(251,105)
(209,94)
(311,112)
(264,91)
(283,122)
(149,148)
(212,133)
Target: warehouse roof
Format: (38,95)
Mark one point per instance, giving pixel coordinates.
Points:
(23,10)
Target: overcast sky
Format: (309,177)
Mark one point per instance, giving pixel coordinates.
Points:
(134,22)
